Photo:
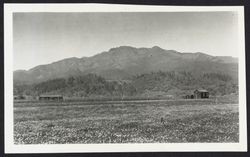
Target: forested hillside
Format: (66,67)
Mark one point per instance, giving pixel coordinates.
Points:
(155,84)
(182,83)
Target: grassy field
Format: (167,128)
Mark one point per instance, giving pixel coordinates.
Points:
(126,122)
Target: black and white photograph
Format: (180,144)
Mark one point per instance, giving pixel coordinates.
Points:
(104,78)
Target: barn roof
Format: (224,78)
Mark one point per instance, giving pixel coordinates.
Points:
(50,96)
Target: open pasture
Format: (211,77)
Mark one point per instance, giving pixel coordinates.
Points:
(126,122)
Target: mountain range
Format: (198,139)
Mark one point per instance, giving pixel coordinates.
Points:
(124,62)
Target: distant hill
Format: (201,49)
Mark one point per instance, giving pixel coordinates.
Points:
(124,62)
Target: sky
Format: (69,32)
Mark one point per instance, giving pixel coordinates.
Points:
(43,38)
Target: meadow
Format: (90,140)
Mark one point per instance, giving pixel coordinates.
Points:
(144,121)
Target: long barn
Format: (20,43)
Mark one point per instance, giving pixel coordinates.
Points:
(51,97)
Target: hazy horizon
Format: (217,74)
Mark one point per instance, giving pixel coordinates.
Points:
(43,38)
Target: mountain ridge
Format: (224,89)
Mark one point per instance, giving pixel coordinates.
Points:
(125,61)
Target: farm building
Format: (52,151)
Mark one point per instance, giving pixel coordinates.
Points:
(51,97)
(15,97)
(201,94)
(18,97)
(189,97)
(198,94)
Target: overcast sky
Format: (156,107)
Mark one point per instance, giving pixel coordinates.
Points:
(42,38)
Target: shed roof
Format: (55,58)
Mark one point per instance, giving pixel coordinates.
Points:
(201,90)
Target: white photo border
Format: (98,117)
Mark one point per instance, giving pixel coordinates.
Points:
(10,147)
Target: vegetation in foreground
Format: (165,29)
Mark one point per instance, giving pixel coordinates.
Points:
(135,122)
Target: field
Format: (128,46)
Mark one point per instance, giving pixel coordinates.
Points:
(145,121)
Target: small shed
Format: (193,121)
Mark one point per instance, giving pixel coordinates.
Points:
(18,97)
(51,97)
(189,96)
(201,94)
(15,97)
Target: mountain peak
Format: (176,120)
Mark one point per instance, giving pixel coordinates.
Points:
(156,47)
(122,48)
